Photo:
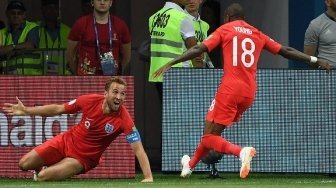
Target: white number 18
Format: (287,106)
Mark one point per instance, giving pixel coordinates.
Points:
(246,52)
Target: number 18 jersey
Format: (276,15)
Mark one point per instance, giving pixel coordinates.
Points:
(241,47)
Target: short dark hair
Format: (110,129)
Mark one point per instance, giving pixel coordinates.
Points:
(114,79)
(235,11)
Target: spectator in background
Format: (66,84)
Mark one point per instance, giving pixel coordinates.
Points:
(320,37)
(201,27)
(210,13)
(170,29)
(79,149)
(243,45)
(99,43)
(2,25)
(87,7)
(171,32)
(53,38)
(20,34)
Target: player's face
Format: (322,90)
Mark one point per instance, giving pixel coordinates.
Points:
(102,6)
(115,96)
(193,5)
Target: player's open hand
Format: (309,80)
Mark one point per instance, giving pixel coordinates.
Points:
(323,64)
(161,70)
(147,180)
(14,109)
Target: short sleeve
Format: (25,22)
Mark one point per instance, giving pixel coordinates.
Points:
(311,35)
(271,45)
(213,40)
(77,28)
(126,36)
(127,122)
(187,28)
(73,106)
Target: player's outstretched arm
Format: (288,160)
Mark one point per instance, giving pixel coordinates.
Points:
(292,53)
(20,109)
(143,161)
(191,53)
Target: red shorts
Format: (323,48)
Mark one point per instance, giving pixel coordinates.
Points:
(226,109)
(56,149)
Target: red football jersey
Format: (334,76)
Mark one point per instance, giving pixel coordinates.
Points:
(93,134)
(83,32)
(241,47)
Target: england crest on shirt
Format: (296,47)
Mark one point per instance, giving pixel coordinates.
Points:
(109,128)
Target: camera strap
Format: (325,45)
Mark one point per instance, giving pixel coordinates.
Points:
(96,33)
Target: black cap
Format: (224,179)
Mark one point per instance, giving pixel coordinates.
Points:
(49,2)
(16,5)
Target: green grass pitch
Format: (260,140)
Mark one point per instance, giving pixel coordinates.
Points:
(228,180)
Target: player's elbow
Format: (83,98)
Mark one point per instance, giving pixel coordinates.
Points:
(199,49)
(286,51)
(58,110)
(22,166)
(139,152)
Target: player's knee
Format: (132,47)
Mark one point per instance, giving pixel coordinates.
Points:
(23,164)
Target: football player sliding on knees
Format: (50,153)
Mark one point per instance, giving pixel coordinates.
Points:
(79,149)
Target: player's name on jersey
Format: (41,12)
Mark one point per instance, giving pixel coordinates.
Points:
(243,30)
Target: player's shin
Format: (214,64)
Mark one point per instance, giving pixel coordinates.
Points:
(200,152)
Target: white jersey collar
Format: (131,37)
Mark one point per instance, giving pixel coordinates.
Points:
(173,5)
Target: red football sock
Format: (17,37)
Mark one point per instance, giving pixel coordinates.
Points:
(200,152)
(220,145)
